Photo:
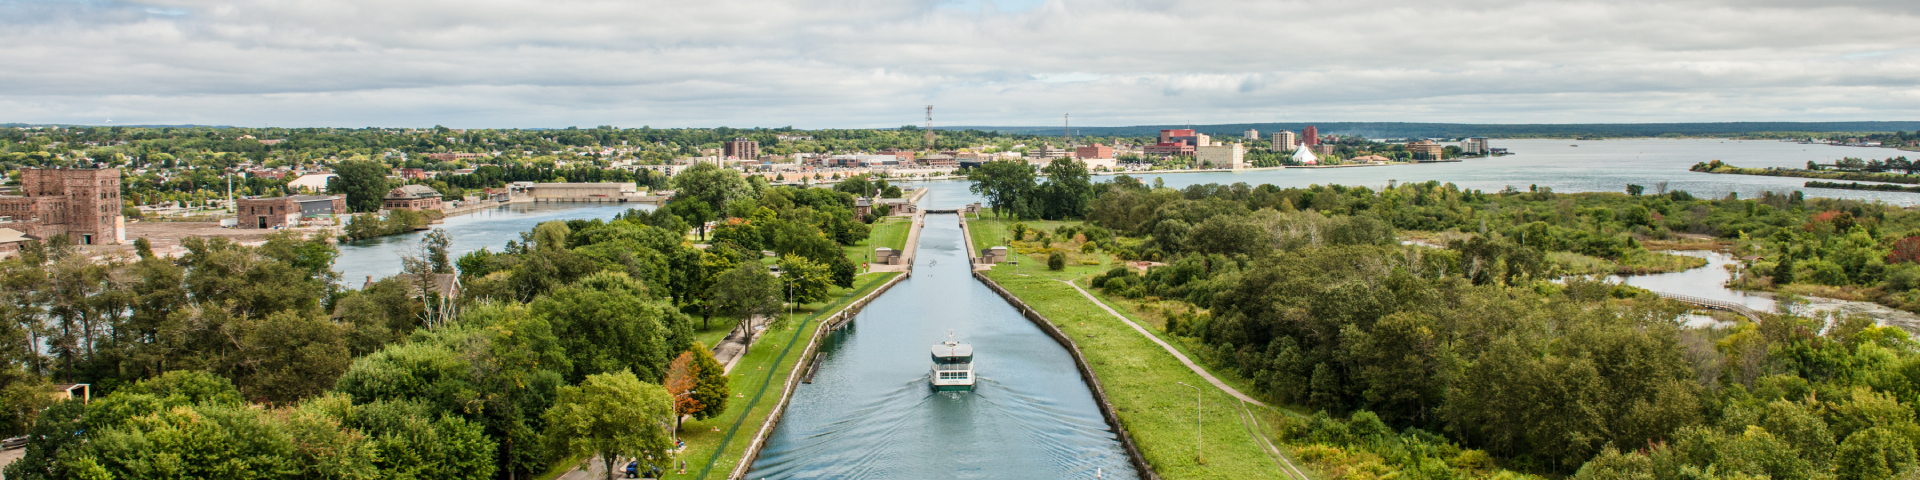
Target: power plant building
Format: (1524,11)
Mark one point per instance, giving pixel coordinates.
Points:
(81,203)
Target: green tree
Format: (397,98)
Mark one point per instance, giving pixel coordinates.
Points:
(1056,261)
(1069,188)
(1005,184)
(1873,454)
(710,389)
(363,182)
(746,291)
(612,416)
(711,185)
(608,323)
(806,281)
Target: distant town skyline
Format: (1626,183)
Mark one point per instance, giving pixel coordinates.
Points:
(863,64)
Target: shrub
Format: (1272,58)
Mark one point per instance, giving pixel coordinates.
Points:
(1056,261)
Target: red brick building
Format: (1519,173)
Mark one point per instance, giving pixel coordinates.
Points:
(281,212)
(1094,151)
(741,148)
(81,203)
(1310,136)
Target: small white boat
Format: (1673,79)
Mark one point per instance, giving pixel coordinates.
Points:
(952,366)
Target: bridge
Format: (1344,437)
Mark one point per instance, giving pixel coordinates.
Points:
(1741,309)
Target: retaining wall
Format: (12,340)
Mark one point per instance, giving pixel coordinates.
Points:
(1086,373)
(1079,361)
(830,323)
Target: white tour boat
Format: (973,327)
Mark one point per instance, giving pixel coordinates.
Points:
(952,365)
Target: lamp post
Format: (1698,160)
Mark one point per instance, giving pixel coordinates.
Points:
(1197,437)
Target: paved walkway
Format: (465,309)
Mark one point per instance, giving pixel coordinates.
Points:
(730,349)
(1163,344)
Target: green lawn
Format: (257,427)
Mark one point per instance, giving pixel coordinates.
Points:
(760,376)
(1141,378)
(988,232)
(890,232)
(1143,382)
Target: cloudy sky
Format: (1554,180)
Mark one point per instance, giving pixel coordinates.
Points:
(878,63)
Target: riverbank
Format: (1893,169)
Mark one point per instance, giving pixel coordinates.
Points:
(1876,187)
(1138,377)
(1886,177)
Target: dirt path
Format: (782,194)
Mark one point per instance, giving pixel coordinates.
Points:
(1163,344)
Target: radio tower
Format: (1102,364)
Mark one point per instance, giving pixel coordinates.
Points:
(929,134)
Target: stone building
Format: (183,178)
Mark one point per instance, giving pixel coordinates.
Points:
(81,203)
(411,197)
(279,212)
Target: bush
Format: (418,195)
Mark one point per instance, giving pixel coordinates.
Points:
(1056,261)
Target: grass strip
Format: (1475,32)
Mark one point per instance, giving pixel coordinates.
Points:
(725,446)
(1143,382)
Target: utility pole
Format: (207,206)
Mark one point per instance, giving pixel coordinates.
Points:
(1066,128)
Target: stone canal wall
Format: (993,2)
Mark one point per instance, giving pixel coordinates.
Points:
(1079,361)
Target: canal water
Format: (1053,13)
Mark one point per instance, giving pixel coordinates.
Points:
(870,412)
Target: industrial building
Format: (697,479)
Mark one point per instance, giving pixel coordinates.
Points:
(81,203)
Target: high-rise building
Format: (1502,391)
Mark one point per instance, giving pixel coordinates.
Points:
(1310,136)
(81,203)
(1474,146)
(1285,141)
(1253,134)
(741,148)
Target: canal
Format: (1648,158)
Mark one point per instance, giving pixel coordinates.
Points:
(870,413)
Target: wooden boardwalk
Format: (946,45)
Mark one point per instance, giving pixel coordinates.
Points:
(1741,309)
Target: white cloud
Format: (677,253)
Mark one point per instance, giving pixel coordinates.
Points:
(821,63)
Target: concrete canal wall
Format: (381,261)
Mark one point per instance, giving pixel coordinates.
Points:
(807,358)
(1079,361)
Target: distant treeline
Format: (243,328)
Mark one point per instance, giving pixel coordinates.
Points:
(1457,130)
(1878,187)
(1880,172)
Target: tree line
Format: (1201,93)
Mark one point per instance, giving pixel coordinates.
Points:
(1484,339)
(230,361)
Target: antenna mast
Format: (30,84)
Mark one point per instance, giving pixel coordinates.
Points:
(929,134)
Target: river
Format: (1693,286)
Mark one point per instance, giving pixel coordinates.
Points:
(1594,165)
(492,228)
(870,412)
(1710,281)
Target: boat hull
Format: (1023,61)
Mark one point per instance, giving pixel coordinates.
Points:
(968,387)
